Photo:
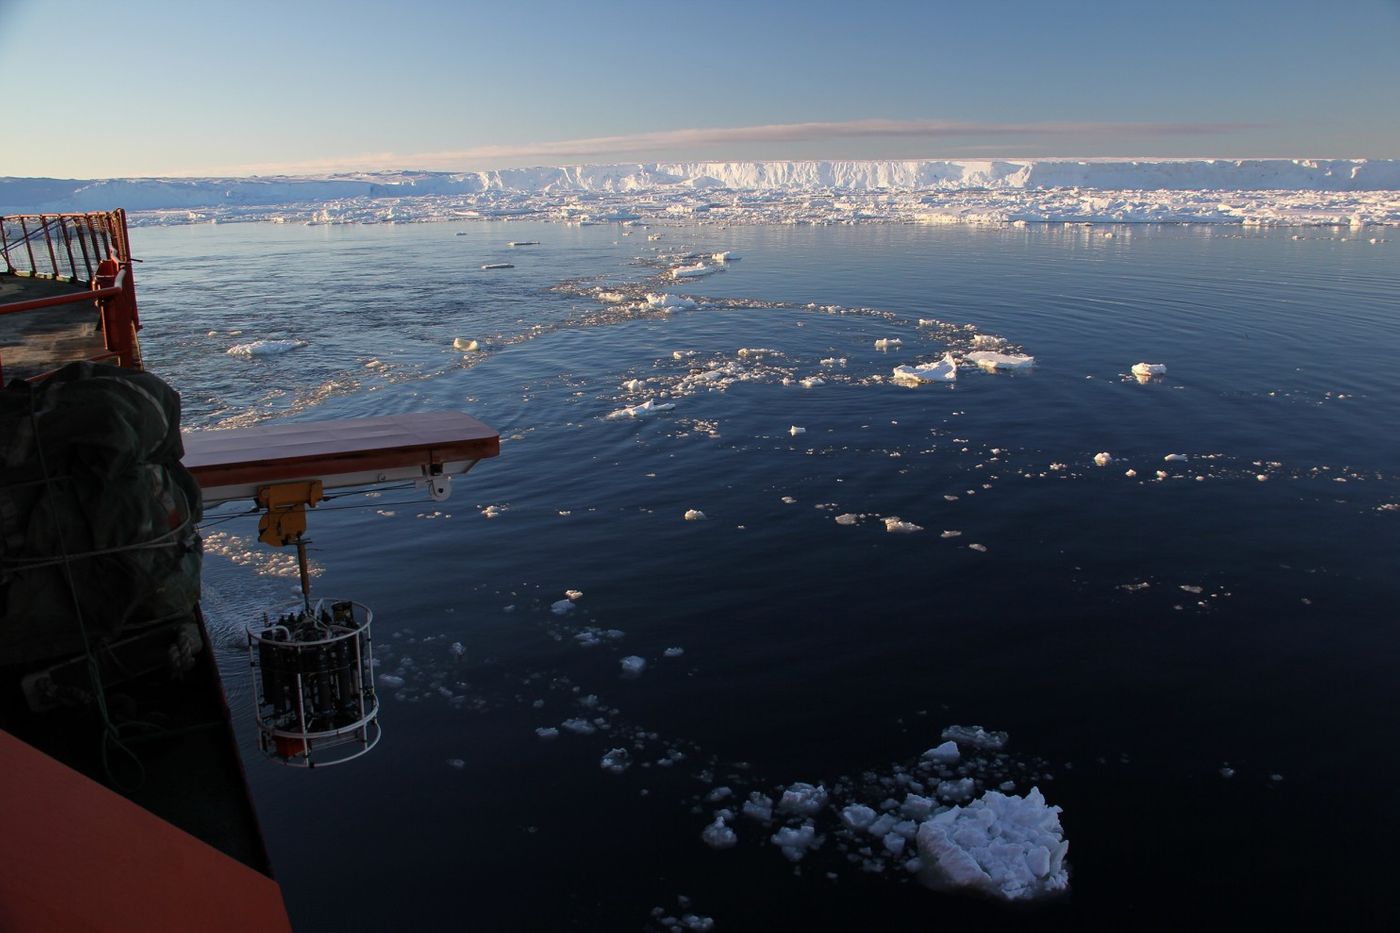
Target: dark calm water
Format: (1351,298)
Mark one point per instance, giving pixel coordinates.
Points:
(1265,640)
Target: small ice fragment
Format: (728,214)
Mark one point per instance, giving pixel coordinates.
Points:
(561,606)
(391,680)
(616,760)
(916,807)
(465,343)
(987,341)
(951,534)
(896,525)
(1174,458)
(943,754)
(789,500)
(1150,369)
(1227,772)
(957,790)
(694,515)
(456,649)
(673,652)
(691,272)
(457,763)
(991,361)
(265,347)
(498,265)
(979,548)
(491,511)
(849,518)
(718,794)
(1103,458)
(811,382)
(1130,473)
(634,385)
(894,843)
(803,799)
(727,256)
(632,665)
(884,343)
(573,594)
(795,430)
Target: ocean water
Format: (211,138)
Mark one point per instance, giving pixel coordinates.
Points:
(1137,637)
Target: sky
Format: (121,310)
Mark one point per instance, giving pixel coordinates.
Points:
(194,88)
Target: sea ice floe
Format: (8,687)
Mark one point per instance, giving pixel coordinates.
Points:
(795,430)
(391,680)
(579,726)
(574,594)
(726,256)
(718,835)
(951,534)
(673,652)
(975,737)
(803,799)
(811,382)
(1006,846)
(616,760)
(885,343)
(857,816)
(648,407)
(491,511)
(947,753)
(758,807)
(991,361)
(1149,369)
(944,370)
(632,665)
(561,606)
(547,732)
(1174,458)
(1103,458)
(691,272)
(897,525)
(498,265)
(958,790)
(668,302)
(265,347)
(987,341)
(694,515)
(849,518)
(979,548)
(465,343)
(795,841)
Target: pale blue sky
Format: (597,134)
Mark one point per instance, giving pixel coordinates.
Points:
(150,87)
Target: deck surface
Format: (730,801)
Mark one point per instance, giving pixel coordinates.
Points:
(34,342)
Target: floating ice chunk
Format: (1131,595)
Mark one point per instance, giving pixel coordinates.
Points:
(616,760)
(673,652)
(946,753)
(612,298)
(491,511)
(897,525)
(916,807)
(523,243)
(648,407)
(789,500)
(726,256)
(796,841)
(667,302)
(691,272)
(1103,458)
(849,518)
(1130,473)
(991,361)
(718,835)
(795,430)
(465,343)
(579,726)
(1149,369)
(391,680)
(456,649)
(457,763)
(574,594)
(802,799)
(987,341)
(894,843)
(1006,846)
(758,807)
(634,385)
(632,665)
(811,382)
(884,343)
(694,515)
(857,816)
(561,606)
(976,737)
(547,732)
(979,548)
(944,370)
(951,534)
(265,347)
(957,790)
(499,265)
(1174,458)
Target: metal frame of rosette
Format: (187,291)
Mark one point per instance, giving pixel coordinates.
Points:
(313,674)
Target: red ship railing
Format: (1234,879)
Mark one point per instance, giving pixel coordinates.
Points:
(92,249)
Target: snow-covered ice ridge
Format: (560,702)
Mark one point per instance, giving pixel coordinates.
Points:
(1265,191)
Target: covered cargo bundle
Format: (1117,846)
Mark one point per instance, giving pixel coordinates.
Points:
(97,515)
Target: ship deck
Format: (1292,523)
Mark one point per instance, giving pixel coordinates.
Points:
(37,341)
